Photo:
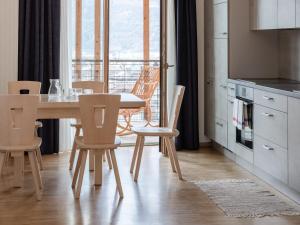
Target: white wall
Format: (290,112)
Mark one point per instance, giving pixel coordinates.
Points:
(9,10)
(201,69)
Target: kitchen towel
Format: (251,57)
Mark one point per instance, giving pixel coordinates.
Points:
(235,112)
(240,117)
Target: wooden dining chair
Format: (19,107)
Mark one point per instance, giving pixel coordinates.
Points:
(32,88)
(166,133)
(97,87)
(18,114)
(99,135)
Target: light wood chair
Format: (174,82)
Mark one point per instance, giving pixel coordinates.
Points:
(32,88)
(98,88)
(166,133)
(144,88)
(99,135)
(18,114)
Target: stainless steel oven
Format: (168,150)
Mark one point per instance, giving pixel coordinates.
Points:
(244,132)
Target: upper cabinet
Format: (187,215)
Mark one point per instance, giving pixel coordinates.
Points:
(275,14)
(221,20)
(264,14)
(298,13)
(286,14)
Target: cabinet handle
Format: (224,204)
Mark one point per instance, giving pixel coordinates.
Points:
(268,98)
(219,124)
(224,33)
(268,148)
(232,88)
(231,102)
(223,86)
(268,114)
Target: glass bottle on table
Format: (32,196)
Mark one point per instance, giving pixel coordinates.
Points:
(55,90)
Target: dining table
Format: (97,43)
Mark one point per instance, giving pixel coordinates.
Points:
(67,107)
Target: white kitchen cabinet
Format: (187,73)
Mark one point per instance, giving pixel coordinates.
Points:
(220,100)
(286,14)
(221,132)
(297,13)
(231,142)
(270,124)
(219,1)
(294,143)
(221,20)
(270,158)
(221,60)
(264,14)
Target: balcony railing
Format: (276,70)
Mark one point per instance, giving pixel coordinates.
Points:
(123,74)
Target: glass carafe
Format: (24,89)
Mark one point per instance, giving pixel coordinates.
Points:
(55,89)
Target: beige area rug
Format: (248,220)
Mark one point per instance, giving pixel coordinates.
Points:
(245,198)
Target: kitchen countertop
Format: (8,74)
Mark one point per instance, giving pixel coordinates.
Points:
(286,87)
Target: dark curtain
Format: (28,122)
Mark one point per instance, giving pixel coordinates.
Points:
(187,73)
(39,38)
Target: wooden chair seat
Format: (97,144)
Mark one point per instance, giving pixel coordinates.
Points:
(81,145)
(155,131)
(32,147)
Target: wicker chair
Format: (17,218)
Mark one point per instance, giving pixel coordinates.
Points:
(144,88)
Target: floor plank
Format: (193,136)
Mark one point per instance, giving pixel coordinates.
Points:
(158,197)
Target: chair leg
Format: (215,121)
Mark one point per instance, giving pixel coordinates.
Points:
(107,154)
(35,173)
(168,147)
(74,148)
(18,168)
(81,173)
(2,161)
(38,170)
(98,167)
(174,153)
(136,149)
(76,172)
(39,158)
(116,171)
(139,158)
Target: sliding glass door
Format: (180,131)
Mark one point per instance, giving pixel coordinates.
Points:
(125,43)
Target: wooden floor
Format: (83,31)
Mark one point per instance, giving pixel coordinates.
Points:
(158,198)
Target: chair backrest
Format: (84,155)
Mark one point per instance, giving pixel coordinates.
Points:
(24,87)
(96,86)
(18,114)
(176,105)
(147,83)
(99,130)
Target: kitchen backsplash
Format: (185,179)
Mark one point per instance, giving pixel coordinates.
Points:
(289,57)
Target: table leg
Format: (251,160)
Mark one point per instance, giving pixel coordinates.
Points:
(18,168)
(91,160)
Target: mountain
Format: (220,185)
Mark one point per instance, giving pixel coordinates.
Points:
(126,29)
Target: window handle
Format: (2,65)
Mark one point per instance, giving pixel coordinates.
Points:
(267,147)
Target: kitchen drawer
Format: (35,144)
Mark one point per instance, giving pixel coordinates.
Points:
(231,89)
(270,158)
(220,100)
(271,100)
(221,132)
(231,129)
(270,124)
